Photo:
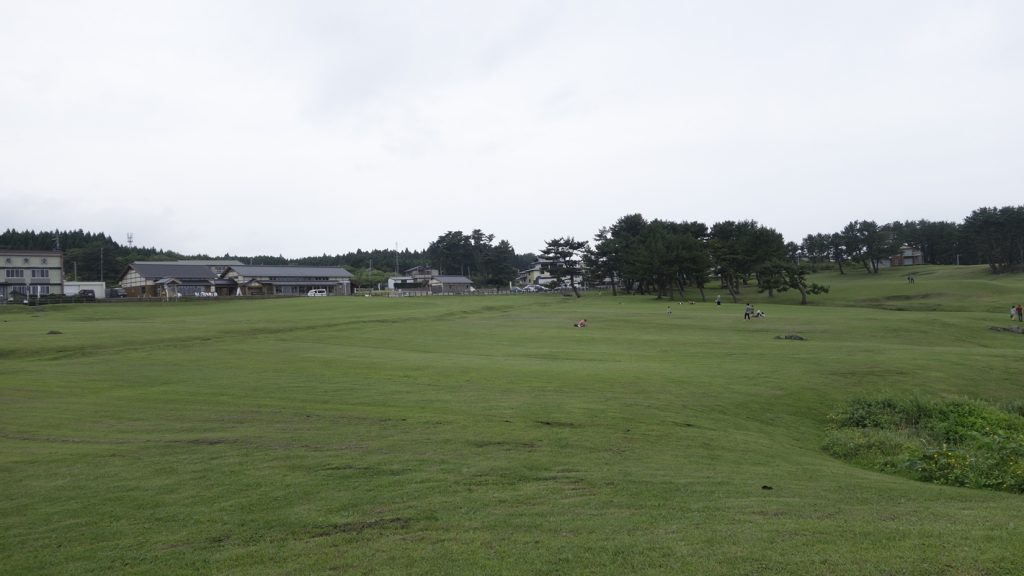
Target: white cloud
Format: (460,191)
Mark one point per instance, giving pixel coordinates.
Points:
(318,127)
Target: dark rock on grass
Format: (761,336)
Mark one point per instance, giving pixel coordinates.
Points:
(54,332)
(790,337)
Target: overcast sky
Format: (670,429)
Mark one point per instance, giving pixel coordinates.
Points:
(302,128)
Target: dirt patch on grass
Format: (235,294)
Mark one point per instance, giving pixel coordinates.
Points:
(503,444)
(207,441)
(66,440)
(556,424)
(911,297)
(398,523)
(1014,329)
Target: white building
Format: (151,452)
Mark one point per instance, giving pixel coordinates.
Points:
(31,273)
(98,288)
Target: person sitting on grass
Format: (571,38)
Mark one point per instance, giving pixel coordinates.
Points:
(581,323)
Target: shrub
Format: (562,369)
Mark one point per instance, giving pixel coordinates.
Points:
(958,442)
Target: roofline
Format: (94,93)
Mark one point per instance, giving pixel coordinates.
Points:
(34,252)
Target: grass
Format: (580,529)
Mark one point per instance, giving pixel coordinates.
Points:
(485,435)
(955,442)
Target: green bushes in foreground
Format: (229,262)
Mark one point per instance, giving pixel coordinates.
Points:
(960,442)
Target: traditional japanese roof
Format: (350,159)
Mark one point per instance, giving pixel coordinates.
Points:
(290,271)
(209,262)
(157,270)
(452,280)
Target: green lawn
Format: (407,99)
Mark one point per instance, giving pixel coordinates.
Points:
(486,435)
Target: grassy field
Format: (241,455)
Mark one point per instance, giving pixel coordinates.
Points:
(485,435)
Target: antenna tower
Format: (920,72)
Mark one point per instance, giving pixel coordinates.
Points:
(131,239)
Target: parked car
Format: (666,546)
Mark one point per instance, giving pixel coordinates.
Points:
(116,293)
(535,288)
(317,292)
(86,295)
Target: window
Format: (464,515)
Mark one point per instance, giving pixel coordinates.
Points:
(19,273)
(40,273)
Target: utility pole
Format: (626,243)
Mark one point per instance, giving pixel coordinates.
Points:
(101,263)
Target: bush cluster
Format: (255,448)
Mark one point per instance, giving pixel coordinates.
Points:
(958,442)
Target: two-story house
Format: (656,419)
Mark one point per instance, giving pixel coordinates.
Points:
(31,273)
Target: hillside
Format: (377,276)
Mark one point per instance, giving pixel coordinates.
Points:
(935,288)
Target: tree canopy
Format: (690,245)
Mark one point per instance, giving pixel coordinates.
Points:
(661,257)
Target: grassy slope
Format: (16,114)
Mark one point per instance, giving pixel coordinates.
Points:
(485,435)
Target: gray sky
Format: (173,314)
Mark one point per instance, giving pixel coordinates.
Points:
(303,128)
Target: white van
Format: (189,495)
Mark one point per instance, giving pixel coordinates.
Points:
(317,292)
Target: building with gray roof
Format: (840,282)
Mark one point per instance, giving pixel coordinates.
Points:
(230,278)
(288,280)
(152,279)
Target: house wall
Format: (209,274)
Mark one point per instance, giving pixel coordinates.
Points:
(421,273)
(31,272)
(403,282)
(450,288)
(99,288)
(135,284)
(289,287)
(910,256)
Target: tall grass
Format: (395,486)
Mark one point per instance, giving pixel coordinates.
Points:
(958,442)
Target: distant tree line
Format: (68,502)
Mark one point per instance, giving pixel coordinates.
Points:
(991,236)
(657,256)
(96,256)
(665,258)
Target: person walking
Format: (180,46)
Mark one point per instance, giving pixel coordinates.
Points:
(1020,313)
(748,311)
(718,300)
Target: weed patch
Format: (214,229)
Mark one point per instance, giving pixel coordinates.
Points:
(962,442)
